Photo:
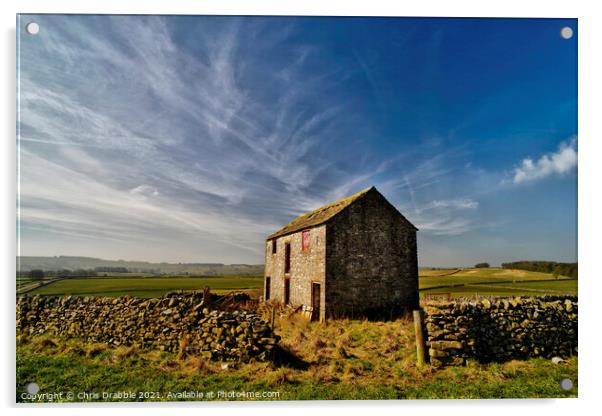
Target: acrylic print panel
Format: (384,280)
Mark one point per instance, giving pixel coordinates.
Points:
(286,208)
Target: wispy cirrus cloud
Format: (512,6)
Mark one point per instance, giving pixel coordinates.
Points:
(560,162)
(447,225)
(133,133)
(462,203)
(191,138)
(418,191)
(447,217)
(145,191)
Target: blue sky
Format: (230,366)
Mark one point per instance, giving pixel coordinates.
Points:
(191,138)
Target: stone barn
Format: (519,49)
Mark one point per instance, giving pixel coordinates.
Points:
(355,257)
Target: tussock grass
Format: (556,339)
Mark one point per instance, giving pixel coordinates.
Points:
(44,342)
(280,376)
(182,346)
(95,349)
(122,353)
(342,359)
(75,349)
(22,339)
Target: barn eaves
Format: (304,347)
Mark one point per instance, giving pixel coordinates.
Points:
(320,215)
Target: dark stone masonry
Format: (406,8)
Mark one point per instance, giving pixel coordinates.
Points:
(176,323)
(355,257)
(497,330)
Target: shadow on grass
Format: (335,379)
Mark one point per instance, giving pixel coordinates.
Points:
(283,357)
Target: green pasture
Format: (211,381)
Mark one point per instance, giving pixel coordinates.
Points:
(495,282)
(149,286)
(445,282)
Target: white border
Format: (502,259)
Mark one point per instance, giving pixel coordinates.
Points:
(590,209)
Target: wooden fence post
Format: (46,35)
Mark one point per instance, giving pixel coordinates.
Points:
(420,344)
(207,297)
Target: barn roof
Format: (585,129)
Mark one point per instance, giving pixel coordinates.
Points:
(320,215)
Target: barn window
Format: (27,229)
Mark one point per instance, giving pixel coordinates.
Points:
(287,258)
(274,246)
(305,237)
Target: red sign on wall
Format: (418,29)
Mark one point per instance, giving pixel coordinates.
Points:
(305,240)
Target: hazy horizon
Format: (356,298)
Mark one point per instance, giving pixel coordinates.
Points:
(135,260)
(192,138)
(451,266)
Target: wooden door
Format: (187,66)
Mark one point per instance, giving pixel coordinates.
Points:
(267,288)
(287,291)
(315,301)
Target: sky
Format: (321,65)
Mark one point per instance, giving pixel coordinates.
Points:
(192,138)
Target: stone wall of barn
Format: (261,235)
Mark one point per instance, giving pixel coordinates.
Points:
(306,267)
(371,257)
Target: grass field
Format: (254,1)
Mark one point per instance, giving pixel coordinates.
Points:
(343,359)
(149,286)
(493,282)
(445,282)
(436,272)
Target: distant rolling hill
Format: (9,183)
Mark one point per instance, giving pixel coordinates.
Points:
(493,281)
(26,263)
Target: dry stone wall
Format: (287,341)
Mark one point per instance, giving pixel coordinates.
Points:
(501,329)
(176,322)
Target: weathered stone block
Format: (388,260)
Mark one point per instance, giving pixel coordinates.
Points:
(437,353)
(446,345)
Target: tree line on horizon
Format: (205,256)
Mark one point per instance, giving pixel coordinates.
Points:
(555,268)
(40,274)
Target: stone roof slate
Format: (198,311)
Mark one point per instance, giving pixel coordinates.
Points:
(320,215)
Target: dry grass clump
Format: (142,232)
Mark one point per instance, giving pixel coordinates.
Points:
(22,339)
(48,343)
(294,321)
(124,352)
(76,349)
(298,339)
(169,365)
(392,344)
(184,340)
(191,365)
(330,373)
(93,350)
(251,372)
(353,370)
(345,341)
(153,356)
(318,344)
(44,343)
(197,365)
(341,352)
(280,376)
